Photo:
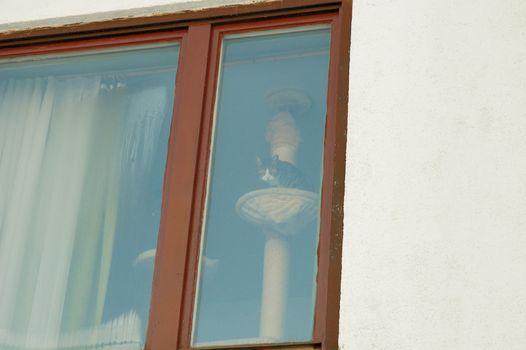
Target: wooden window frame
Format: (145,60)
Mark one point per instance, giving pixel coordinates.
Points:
(184,193)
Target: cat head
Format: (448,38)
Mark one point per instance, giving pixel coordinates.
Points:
(267,169)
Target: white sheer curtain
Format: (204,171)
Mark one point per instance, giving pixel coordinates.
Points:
(61,149)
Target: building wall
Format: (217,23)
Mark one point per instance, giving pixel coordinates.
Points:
(435,225)
(435,209)
(21,14)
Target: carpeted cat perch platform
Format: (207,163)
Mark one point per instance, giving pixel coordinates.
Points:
(285,211)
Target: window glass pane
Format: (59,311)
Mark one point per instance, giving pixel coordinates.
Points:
(258,261)
(83,143)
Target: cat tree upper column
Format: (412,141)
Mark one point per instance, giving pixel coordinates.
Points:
(282,133)
(279,211)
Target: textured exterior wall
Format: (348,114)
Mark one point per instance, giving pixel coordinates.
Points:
(435,227)
(21,14)
(434,245)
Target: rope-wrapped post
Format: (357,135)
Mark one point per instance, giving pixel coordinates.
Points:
(283,137)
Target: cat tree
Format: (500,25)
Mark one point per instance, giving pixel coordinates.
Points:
(279,212)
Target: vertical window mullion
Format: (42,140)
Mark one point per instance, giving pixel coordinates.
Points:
(166,316)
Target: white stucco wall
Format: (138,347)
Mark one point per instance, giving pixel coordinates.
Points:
(20,14)
(435,227)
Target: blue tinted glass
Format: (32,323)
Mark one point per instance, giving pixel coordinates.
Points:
(83,144)
(258,260)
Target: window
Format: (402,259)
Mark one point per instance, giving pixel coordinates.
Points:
(174,182)
(84,141)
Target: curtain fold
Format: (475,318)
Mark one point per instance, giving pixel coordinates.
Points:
(65,146)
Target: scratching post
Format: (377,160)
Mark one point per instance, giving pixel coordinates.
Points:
(275,286)
(283,137)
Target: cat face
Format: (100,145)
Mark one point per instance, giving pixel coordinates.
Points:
(268,170)
(278,173)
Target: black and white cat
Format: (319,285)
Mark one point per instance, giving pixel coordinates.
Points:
(279,173)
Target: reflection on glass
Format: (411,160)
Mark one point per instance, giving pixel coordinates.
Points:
(83,142)
(258,260)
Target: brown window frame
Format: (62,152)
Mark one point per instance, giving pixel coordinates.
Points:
(200,34)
